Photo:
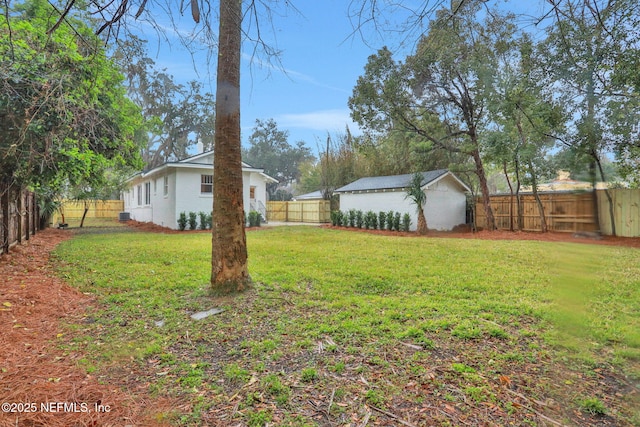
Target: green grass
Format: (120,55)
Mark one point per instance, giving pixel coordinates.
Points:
(366,315)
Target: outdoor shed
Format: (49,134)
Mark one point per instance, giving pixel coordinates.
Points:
(446,197)
(161,194)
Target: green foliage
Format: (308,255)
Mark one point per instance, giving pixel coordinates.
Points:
(205,220)
(308,375)
(66,117)
(373,220)
(406,222)
(390,217)
(359,219)
(593,405)
(336,218)
(382,220)
(255,219)
(461,285)
(352,217)
(396,221)
(366,222)
(269,149)
(182,221)
(193,220)
(176,116)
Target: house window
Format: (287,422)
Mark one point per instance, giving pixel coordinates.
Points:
(147,193)
(252,192)
(139,188)
(165,190)
(206,184)
(155,185)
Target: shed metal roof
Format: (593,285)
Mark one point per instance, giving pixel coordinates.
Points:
(389,182)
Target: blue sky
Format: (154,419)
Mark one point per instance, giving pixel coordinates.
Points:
(320,63)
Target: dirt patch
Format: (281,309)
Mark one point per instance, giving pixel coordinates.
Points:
(43,384)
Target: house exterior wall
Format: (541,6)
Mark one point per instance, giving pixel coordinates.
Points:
(445,207)
(164,209)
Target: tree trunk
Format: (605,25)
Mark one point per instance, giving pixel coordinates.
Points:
(19,215)
(518,198)
(4,206)
(484,188)
(506,175)
(84,213)
(534,186)
(229,272)
(422,222)
(612,215)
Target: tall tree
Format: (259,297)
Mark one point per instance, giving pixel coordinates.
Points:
(176,115)
(441,91)
(269,149)
(585,44)
(229,271)
(64,114)
(525,115)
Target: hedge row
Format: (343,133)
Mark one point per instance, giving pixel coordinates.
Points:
(371,221)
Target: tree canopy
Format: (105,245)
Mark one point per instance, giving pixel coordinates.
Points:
(64,114)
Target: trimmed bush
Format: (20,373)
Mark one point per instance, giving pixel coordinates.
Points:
(373,220)
(406,222)
(352,218)
(359,219)
(382,220)
(390,220)
(193,220)
(203,220)
(182,221)
(255,218)
(396,221)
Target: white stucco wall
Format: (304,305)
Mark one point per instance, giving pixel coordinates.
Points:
(445,207)
(184,195)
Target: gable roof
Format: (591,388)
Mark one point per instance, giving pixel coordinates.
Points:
(198,161)
(397,182)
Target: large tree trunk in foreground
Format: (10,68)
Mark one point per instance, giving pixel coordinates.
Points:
(229,272)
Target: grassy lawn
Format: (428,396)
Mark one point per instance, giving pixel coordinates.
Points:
(347,328)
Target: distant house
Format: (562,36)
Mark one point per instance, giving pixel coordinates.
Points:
(159,195)
(446,197)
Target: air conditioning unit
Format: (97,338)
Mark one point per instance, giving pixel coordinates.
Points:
(124,216)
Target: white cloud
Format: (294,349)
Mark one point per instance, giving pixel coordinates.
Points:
(322,120)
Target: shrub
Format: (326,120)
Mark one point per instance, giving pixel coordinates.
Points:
(182,221)
(382,220)
(373,220)
(193,220)
(334,217)
(396,221)
(406,222)
(359,219)
(367,220)
(203,220)
(390,220)
(352,218)
(255,219)
(345,219)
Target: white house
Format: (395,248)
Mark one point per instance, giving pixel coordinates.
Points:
(159,195)
(446,197)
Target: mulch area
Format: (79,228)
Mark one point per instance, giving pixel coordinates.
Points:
(40,383)
(44,384)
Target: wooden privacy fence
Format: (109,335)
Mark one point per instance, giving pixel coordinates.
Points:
(73,209)
(19,217)
(317,211)
(566,212)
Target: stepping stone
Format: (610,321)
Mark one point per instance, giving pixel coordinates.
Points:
(202,314)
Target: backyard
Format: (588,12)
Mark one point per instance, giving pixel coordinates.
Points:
(342,328)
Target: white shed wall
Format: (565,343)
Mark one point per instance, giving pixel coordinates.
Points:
(445,207)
